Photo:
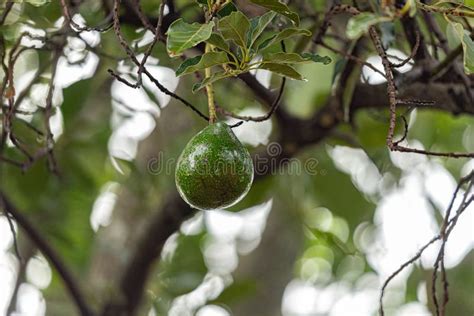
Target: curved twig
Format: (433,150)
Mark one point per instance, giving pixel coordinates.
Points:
(67,15)
(131,55)
(446,229)
(261,118)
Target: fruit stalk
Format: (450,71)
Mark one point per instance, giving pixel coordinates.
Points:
(210,92)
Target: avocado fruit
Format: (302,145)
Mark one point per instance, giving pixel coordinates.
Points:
(215,170)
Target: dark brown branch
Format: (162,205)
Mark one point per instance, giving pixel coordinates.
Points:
(335,10)
(37,238)
(132,284)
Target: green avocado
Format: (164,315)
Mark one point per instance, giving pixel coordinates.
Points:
(214,170)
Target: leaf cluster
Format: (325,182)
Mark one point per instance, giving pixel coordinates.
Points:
(240,44)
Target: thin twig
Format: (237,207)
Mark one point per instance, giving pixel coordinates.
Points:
(67,15)
(444,233)
(352,57)
(405,132)
(131,55)
(157,36)
(412,54)
(335,10)
(261,118)
(8,7)
(447,227)
(400,269)
(456,11)
(47,115)
(11,161)
(15,240)
(143,18)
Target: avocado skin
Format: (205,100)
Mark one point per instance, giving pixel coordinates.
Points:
(215,170)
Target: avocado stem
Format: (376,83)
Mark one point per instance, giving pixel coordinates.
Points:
(210,91)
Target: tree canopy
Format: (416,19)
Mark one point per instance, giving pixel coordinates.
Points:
(358,116)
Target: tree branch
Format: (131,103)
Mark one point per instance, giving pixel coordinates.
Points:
(295,135)
(132,284)
(37,238)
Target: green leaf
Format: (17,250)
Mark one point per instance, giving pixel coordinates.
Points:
(467,45)
(218,41)
(215,77)
(285,34)
(292,58)
(37,3)
(14,16)
(387,33)
(360,24)
(284,58)
(10,32)
(204,3)
(452,36)
(282,70)
(317,58)
(280,8)
(333,241)
(257,26)
(234,27)
(227,10)
(202,62)
(338,67)
(182,35)
(187,63)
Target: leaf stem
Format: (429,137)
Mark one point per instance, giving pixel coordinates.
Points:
(461,10)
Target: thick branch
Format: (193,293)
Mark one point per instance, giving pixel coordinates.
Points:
(37,238)
(132,284)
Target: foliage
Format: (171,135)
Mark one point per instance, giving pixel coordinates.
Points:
(238,42)
(328,218)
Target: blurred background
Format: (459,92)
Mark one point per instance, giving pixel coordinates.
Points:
(316,238)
